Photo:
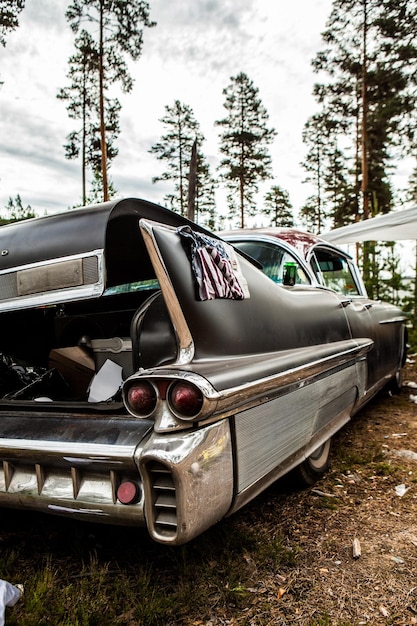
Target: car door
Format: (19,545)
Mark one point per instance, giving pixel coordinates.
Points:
(380,321)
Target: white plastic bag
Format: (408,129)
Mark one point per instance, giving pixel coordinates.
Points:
(9,595)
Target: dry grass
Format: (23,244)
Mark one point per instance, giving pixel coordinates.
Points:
(286,559)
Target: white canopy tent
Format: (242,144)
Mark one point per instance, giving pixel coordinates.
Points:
(400,225)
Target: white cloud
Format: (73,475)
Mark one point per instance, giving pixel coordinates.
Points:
(190,56)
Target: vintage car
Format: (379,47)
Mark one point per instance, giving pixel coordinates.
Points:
(152,375)
(317,262)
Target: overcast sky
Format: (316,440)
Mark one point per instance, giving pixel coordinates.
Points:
(190,55)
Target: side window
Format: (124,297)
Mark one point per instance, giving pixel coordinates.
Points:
(335,272)
(278,264)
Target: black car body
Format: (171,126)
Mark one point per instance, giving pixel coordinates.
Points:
(153,376)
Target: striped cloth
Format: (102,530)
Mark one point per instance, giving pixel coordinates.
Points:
(215,266)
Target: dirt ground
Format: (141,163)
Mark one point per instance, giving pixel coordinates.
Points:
(355,532)
(342,553)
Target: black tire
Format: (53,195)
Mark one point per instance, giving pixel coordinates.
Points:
(314,467)
(396,383)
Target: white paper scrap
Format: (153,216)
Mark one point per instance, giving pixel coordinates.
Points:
(106,382)
(400,490)
(9,595)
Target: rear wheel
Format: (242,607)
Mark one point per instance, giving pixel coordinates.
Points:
(314,467)
(395,384)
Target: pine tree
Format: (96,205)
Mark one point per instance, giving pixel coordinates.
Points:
(314,136)
(310,214)
(116,24)
(94,194)
(369,91)
(369,58)
(175,149)
(394,284)
(243,142)
(205,200)
(337,194)
(16,211)
(82,97)
(278,208)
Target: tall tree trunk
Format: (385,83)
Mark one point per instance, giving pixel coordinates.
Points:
(242,189)
(103,144)
(84,139)
(415,284)
(181,168)
(364,146)
(192,182)
(319,217)
(365,193)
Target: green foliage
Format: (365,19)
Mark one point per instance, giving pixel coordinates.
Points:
(82,97)
(368,97)
(393,283)
(243,143)
(278,208)
(315,136)
(94,194)
(408,306)
(120,28)
(175,149)
(115,32)
(9,14)
(16,211)
(310,214)
(205,201)
(412,187)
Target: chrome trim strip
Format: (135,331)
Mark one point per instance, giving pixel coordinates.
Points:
(56,296)
(75,454)
(241,397)
(184,339)
(70,492)
(201,466)
(290,463)
(268,434)
(394,320)
(83,255)
(298,376)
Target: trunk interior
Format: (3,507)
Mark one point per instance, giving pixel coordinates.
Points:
(53,353)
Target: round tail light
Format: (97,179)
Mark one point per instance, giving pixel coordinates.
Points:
(186,400)
(128,492)
(141,398)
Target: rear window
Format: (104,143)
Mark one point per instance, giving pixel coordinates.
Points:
(140,285)
(278,264)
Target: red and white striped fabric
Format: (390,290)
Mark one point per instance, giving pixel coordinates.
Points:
(215,266)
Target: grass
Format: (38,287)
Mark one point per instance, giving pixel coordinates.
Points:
(99,575)
(278,555)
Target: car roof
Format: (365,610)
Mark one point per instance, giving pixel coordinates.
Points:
(79,253)
(302,241)
(77,231)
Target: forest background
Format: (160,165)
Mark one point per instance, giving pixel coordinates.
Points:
(362,129)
